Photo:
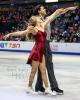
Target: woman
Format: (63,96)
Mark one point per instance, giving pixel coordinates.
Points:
(36,29)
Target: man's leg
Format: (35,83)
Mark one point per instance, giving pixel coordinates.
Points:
(50,69)
(49,66)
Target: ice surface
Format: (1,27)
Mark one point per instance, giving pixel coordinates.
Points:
(14,74)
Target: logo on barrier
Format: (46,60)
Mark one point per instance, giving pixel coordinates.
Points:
(3,45)
(54,47)
(9,45)
(14,45)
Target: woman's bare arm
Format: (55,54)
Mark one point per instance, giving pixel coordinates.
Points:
(29,29)
(18,33)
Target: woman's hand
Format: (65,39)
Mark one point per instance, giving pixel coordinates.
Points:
(6,36)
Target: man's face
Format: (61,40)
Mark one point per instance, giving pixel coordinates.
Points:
(42,10)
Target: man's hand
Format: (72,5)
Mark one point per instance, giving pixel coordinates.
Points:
(73,8)
(68,9)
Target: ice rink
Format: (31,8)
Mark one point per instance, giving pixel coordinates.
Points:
(14,74)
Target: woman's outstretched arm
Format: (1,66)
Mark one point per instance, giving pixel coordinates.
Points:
(20,33)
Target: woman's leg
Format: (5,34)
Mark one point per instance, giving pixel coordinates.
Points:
(44,77)
(43,72)
(35,65)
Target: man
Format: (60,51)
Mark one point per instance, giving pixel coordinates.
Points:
(40,11)
(48,57)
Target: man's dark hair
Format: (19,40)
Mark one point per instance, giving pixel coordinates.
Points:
(36,9)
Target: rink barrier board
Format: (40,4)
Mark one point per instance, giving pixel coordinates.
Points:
(28,51)
(56,48)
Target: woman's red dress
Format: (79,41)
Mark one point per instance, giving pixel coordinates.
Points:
(38,49)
